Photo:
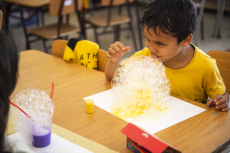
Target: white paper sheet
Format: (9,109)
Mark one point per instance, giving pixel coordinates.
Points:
(180,111)
(57,145)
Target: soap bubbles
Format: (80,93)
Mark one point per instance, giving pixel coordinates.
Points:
(38,105)
(140,90)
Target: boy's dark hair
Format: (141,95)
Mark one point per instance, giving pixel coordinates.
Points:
(8,78)
(175,17)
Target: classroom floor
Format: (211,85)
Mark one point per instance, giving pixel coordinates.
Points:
(209,42)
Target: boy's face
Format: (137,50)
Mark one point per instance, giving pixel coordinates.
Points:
(162,46)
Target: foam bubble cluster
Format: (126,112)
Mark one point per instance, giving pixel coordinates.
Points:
(140,90)
(38,105)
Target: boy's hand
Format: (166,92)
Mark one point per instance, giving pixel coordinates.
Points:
(220,102)
(116,51)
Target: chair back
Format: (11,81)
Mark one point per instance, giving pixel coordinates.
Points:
(58,48)
(111,3)
(1,19)
(115,2)
(67,6)
(223,64)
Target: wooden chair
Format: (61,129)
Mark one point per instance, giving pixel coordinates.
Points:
(1,16)
(111,19)
(58,48)
(198,8)
(223,63)
(58,30)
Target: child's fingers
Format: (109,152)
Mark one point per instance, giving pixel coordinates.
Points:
(123,49)
(218,96)
(109,56)
(211,102)
(119,44)
(225,109)
(112,51)
(222,106)
(127,48)
(116,48)
(220,101)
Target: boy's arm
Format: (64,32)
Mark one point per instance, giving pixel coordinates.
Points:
(215,88)
(110,69)
(115,52)
(220,102)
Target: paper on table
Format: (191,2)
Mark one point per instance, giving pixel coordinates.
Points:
(180,111)
(57,145)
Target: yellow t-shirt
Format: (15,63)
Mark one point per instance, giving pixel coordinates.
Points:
(82,52)
(197,81)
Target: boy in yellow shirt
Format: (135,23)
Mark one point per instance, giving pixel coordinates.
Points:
(168,26)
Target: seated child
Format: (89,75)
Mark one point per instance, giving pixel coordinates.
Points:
(8,78)
(168,26)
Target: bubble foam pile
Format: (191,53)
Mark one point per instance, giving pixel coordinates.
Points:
(38,105)
(140,90)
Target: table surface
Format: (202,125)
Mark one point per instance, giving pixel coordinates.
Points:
(37,70)
(29,3)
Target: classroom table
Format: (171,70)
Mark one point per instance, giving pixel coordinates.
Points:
(204,132)
(36,5)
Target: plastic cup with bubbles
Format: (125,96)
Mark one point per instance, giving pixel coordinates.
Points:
(36,128)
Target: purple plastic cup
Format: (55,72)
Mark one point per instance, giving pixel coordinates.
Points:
(40,140)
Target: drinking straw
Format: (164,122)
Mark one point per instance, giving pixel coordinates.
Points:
(19,109)
(51,96)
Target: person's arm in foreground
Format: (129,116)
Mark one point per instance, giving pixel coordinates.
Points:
(115,52)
